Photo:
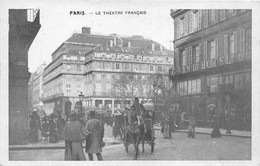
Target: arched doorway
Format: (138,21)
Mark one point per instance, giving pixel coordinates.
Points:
(67,109)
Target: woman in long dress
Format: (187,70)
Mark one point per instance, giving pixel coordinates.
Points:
(74,134)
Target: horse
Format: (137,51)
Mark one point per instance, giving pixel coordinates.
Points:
(135,134)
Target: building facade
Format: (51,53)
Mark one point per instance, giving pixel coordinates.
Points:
(106,64)
(213,63)
(81,63)
(23,27)
(35,89)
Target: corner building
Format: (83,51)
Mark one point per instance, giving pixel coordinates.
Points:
(88,63)
(212,63)
(107,63)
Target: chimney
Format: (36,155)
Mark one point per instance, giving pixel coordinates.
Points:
(129,44)
(86,30)
(152,46)
(111,43)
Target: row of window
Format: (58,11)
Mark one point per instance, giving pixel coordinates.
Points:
(133,57)
(128,67)
(78,88)
(197,19)
(189,87)
(53,73)
(73,67)
(106,76)
(234,43)
(74,58)
(215,83)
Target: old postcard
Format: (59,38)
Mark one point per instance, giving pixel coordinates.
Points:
(151,82)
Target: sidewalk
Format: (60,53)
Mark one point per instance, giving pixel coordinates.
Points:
(200,130)
(58,145)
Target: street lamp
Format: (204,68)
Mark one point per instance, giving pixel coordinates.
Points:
(155,97)
(81,99)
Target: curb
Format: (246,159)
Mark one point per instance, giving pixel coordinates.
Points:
(51,147)
(228,135)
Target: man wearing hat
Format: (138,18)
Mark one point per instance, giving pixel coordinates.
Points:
(94,142)
(138,109)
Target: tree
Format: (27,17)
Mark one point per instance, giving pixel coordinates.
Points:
(123,87)
(164,92)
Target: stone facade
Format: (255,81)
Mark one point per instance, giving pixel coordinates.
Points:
(213,63)
(23,27)
(74,68)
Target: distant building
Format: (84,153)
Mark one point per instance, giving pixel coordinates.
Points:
(213,63)
(35,89)
(85,61)
(23,27)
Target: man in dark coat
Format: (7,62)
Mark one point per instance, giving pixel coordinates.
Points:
(94,142)
(73,135)
(138,109)
(60,126)
(34,126)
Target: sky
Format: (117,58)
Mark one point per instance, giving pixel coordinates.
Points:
(58,24)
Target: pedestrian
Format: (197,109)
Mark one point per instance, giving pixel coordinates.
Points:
(166,126)
(53,137)
(60,126)
(34,126)
(45,127)
(215,132)
(191,128)
(94,142)
(73,134)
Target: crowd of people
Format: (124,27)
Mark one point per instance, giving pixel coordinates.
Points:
(48,128)
(90,129)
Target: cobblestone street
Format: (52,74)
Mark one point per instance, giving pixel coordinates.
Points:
(178,148)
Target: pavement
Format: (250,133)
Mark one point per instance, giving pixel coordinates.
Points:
(234,133)
(112,141)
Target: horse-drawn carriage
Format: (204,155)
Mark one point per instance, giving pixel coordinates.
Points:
(136,133)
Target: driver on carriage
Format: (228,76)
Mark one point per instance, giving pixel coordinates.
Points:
(139,111)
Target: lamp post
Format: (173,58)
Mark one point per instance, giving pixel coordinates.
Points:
(81,99)
(155,95)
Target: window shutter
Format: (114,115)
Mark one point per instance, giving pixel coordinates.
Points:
(190,23)
(235,42)
(187,56)
(216,49)
(242,40)
(186,25)
(185,59)
(205,51)
(225,45)
(200,52)
(178,28)
(205,16)
(190,54)
(216,15)
(177,59)
(199,18)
